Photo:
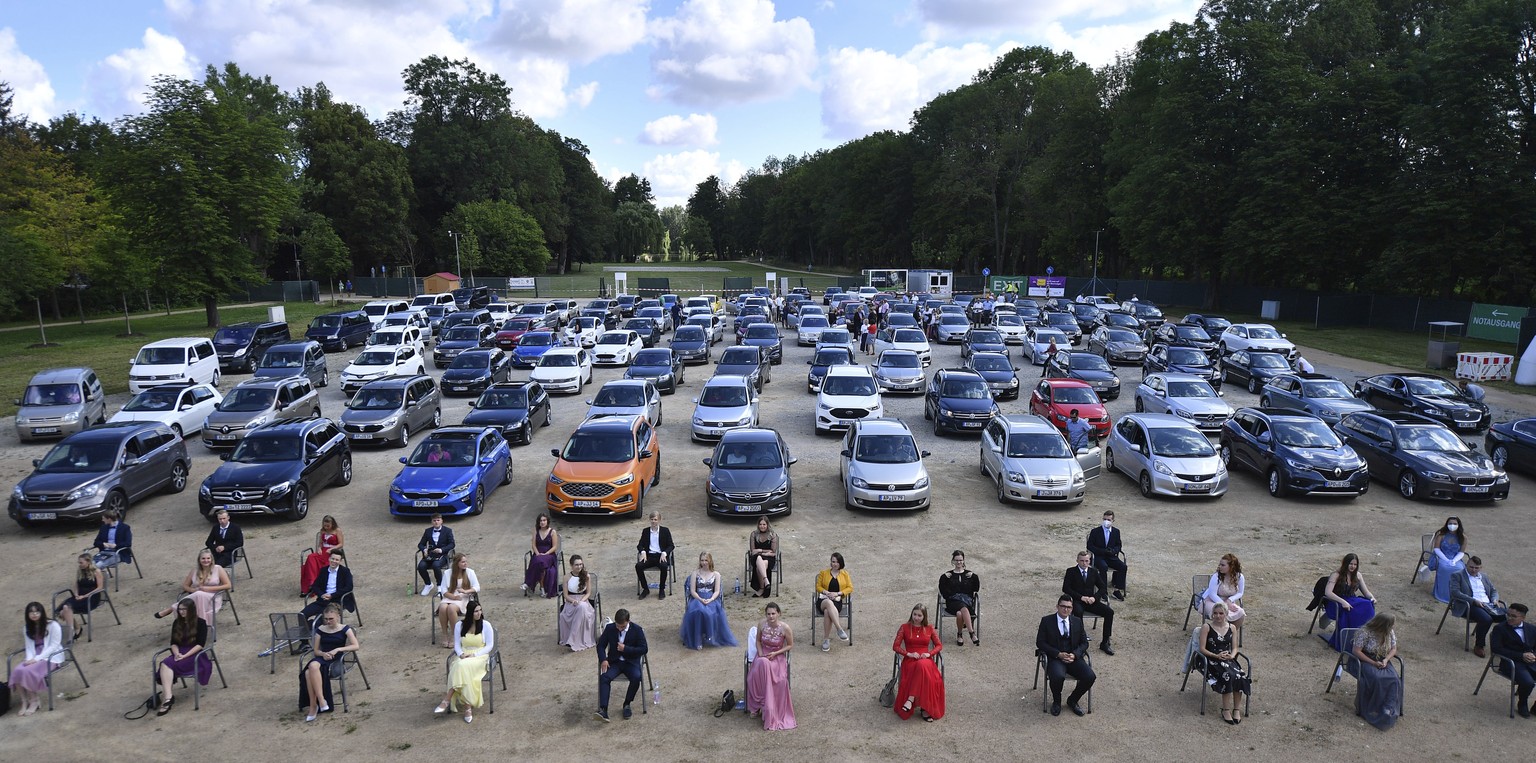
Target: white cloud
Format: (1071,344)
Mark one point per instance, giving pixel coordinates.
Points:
(119,84)
(674,176)
(581,30)
(33,95)
(674,130)
(730,51)
(868,90)
(944,17)
(1098,45)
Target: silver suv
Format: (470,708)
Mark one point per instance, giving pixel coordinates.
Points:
(105,468)
(390,409)
(725,403)
(256,402)
(882,467)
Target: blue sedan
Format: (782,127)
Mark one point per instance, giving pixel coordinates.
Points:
(453,471)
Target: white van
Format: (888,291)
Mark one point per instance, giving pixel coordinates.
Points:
(379,308)
(183,359)
(428,300)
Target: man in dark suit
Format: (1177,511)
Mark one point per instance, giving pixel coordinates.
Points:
(1085,586)
(1065,645)
(1474,597)
(334,584)
(619,651)
(223,539)
(1515,640)
(113,541)
(436,547)
(653,550)
(1104,544)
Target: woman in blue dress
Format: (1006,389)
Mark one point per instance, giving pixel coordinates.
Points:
(1447,556)
(1379,699)
(704,620)
(1348,600)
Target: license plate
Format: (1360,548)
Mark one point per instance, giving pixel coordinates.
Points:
(1050,493)
(587,504)
(1476,489)
(362,436)
(1466,424)
(1332,483)
(458,387)
(890,498)
(1197,488)
(225,437)
(741,509)
(236,506)
(43,515)
(424,504)
(971,424)
(45,430)
(716,432)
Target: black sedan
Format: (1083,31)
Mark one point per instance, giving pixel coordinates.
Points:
(514,408)
(661,365)
(690,344)
(1086,367)
(1512,445)
(1294,452)
(649,332)
(982,340)
(475,370)
(1181,360)
(1180,335)
(1119,320)
(749,475)
(1213,324)
(1426,395)
(1253,369)
(1422,457)
(825,358)
(745,360)
(765,336)
(1117,345)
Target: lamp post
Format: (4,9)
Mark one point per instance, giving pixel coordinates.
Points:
(458,265)
(1093,285)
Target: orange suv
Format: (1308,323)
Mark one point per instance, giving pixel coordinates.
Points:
(607,467)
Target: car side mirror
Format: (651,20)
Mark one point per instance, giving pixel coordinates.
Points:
(403,459)
(923,454)
(36,462)
(1221,393)
(132,361)
(644,454)
(708,461)
(588,401)
(695,401)
(846,453)
(472,403)
(793,461)
(130,461)
(1162,393)
(1388,445)
(554,452)
(17,401)
(1136,447)
(225,456)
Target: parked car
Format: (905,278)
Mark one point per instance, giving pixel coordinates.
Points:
(427,300)
(1118,320)
(649,332)
(949,327)
(583,332)
(899,371)
(390,409)
(982,340)
(511,407)
(1422,457)
(1037,344)
(1294,452)
(1188,397)
(725,403)
(240,345)
(379,363)
(659,365)
(532,346)
(626,304)
(766,336)
(105,468)
(1002,378)
(1214,325)
(848,393)
(749,475)
(627,397)
(1030,461)
(1317,394)
(1512,445)
(832,293)
(837,337)
(256,402)
(606,467)
(500,312)
(459,339)
(182,407)
(277,468)
(469,317)
(882,468)
(746,361)
(385,336)
(1253,369)
(1117,345)
(1182,335)
(823,359)
(563,369)
(1426,395)
(617,348)
(513,330)
(1055,399)
(691,344)
(1149,315)
(304,358)
(377,309)
(1087,317)
(474,370)
(453,471)
(958,400)
(59,402)
(1064,322)
(1255,336)
(1011,326)
(184,359)
(810,328)
(1181,360)
(711,324)
(1166,455)
(1084,367)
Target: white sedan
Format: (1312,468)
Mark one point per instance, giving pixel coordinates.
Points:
(617,348)
(563,369)
(500,312)
(904,339)
(181,407)
(397,335)
(1038,343)
(1011,326)
(379,362)
(582,332)
(810,329)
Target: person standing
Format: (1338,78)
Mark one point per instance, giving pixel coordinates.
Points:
(619,652)
(1515,640)
(1474,598)
(436,547)
(224,539)
(921,684)
(1104,544)
(654,550)
(1064,643)
(1079,432)
(1473,392)
(1050,357)
(1085,586)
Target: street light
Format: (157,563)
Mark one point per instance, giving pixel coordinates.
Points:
(1093,285)
(458,265)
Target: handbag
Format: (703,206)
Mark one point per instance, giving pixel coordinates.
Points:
(888,694)
(727,703)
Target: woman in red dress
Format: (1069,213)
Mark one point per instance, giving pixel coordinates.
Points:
(922,686)
(328,538)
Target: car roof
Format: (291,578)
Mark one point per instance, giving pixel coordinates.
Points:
(1160,421)
(1171,376)
(267,382)
(751,434)
(285,426)
(990,354)
(625,421)
(386,302)
(958,371)
(727,380)
(626,383)
(58,375)
(180,341)
(1026,422)
(395,381)
(1279,413)
(561,351)
(114,431)
(460,432)
(848,371)
(883,426)
(1060,382)
(1404,417)
(302,344)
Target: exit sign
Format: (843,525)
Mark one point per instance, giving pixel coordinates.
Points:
(1498,323)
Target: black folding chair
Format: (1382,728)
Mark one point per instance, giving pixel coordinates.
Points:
(845,615)
(291,634)
(647,683)
(1198,664)
(237,556)
(1426,547)
(1197,585)
(939,606)
(1045,696)
(1466,639)
(1496,663)
(109,561)
(100,597)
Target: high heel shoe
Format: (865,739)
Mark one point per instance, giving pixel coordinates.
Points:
(1225,718)
(165,707)
(440,709)
(162,613)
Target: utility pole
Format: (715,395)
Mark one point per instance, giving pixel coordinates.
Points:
(1093,285)
(458,265)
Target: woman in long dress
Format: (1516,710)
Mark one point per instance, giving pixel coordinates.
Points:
(458,588)
(922,685)
(328,538)
(768,678)
(189,637)
(204,586)
(1349,600)
(1380,695)
(1226,587)
(1447,556)
(331,641)
(473,641)
(43,640)
(1222,672)
(704,619)
(544,565)
(578,620)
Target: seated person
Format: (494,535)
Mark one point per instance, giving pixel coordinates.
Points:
(1064,644)
(436,454)
(1515,640)
(958,588)
(113,541)
(1104,544)
(1474,598)
(1084,585)
(224,539)
(654,549)
(332,585)
(619,652)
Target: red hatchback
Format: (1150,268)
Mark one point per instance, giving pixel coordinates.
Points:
(513,330)
(1054,400)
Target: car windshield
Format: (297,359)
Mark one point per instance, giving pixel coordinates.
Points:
(1045,337)
(653,358)
(1146,311)
(1180,443)
(1262,332)
(1217,324)
(558,360)
(1305,434)
(391,337)
(609,447)
(1190,389)
(248,399)
(1120,319)
(1326,390)
(435,311)
(162,356)
(886,449)
(282,360)
(723,396)
(651,312)
(986,337)
(399,319)
(1085,312)
(749,455)
(832,357)
(813,322)
(1193,333)
(990,363)
(462,334)
(614,337)
(240,335)
(764,331)
(1121,335)
(375,358)
(850,385)
(536,339)
(833,336)
(1186,356)
(689,334)
(500,399)
(1009,320)
(952,319)
(582,324)
(531,310)
(1431,438)
(475,360)
(51,394)
(1043,445)
(443,451)
(900,360)
(375,309)
(326,322)
(1082,361)
(260,449)
(739,356)
(376,400)
(1074,395)
(641,325)
(1428,386)
(79,458)
(967,389)
(1060,319)
(154,400)
(620,396)
(1267,360)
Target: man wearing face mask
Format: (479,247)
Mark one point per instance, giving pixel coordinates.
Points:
(1104,544)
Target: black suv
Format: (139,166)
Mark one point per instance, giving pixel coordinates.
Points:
(240,345)
(513,407)
(471,297)
(276,468)
(958,400)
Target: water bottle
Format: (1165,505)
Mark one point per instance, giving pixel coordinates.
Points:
(655,694)
(738,585)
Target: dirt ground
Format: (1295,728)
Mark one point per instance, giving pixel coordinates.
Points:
(894,561)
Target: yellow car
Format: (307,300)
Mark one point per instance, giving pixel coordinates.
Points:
(606,467)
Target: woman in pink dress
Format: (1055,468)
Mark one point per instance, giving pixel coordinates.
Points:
(43,640)
(328,538)
(205,586)
(768,678)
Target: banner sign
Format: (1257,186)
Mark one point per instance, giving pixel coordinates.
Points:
(1047,286)
(1498,323)
(520,283)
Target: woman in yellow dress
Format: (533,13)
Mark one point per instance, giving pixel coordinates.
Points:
(473,642)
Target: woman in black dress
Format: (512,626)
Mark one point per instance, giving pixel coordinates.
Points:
(90,584)
(958,587)
(763,550)
(331,641)
(1221,669)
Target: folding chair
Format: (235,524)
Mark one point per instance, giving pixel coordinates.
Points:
(1108,573)
(338,672)
(492,666)
(1197,585)
(235,558)
(775,572)
(1499,665)
(197,688)
(1348,663)
(1318,601)
(528,561)
(108,561)
(846,615)
(1426,547)
(1197,664)
(746,665)
(101,596)
(432,603)
(290,634)
(69,659)
(943,613)
(1466,639)
(647,683)
(1045,696)
(596,598)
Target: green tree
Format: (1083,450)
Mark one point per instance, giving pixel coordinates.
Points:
(707,203)
(500,237)
(588,208)
(637,230)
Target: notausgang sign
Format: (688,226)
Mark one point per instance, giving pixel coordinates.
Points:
(1499,323)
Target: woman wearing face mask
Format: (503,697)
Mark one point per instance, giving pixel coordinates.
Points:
(1447,556)
(958,588)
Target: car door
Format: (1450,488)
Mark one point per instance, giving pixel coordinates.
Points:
(538,403)
(652,403)
(1284,393)
(1039,401)
(320,459)
(306,398)
(1522,447)
(1364,435)
(1155,399)
(994,440)
(645,441)
(136,467)
(1235,367)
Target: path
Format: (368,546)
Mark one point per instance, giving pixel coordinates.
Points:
(60,324)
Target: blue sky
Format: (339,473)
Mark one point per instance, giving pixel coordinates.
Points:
(673,90)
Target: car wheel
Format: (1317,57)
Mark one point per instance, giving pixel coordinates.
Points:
(1139,407)
(178,481)
(1002,490)
(1276,485)
(1253,384)
(344,474)
(1408,484)
(1500,456)
(478,506)
(981,465)
(1226,455)
(437,417)
(325,378)
(217,377)
(316,413)
(1109,459)
(300,507)
(526,432)
(1145,483)
(506,479)
(405,436)
(656,478)
(927,415)
(1225,376)
(117,502)
(1264,401)
(177,429)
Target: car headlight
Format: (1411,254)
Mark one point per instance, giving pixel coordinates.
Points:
(1502,479)
(625,480)
(920,484)
(1184,413)
(280,488)
(1221,469)
(239,352)
(1014,382)
(744,421)
(16,492)
(70,418)
(553,480)
(258,421)
(1079,479)
(1018,477)
(84,491)
(390,422)
(858,482)
(202,490)
(715,489)
(394,489)
(1430,410)
(1437,476)
(823,407)
(782,488)
(1297,464)
(698,421)
(1162,468)
(462,487)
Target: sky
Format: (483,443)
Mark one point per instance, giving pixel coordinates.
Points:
(671,90)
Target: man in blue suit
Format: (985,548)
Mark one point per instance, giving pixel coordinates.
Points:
(1515,640)
(113,540)
(619,651)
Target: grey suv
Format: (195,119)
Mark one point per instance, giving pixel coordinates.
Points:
(255,402)
(390,409)
(303,358)
(105,468)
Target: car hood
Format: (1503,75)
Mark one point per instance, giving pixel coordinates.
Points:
(59,483)
(465,375)
(322,334)
(1324,458)
(747,480)
(1064,468)
(276,373)
(496,417)
(617,410)
(1469,464)
(542,373)
(234,419)
(903,374)
(1200,371)
(1452,403)
(760,341)
(1195,465)
(1340,407)
(355,416)
(433,478)
(458,344)
(849,401)
(687,346)
(1126,347)
(722,412)
(161,416)
(646,372)
(728,369)
(1200,405)
(1092,376)
(885,474)
(591,471)
(994,377)
(531,351)
(258,476)
(1084,410)
(968,404)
